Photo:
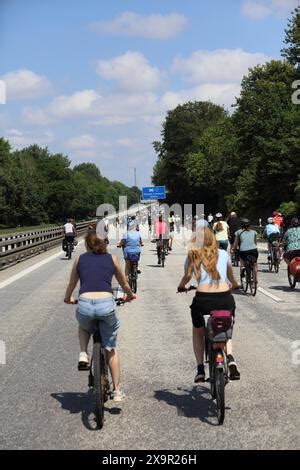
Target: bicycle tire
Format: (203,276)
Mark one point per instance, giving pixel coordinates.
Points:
(270,261)
(69,251)
(212,375)
(276,262)
(253,281)
(163,259)
(220,393)
(244,280)
(291,278)
(99,384)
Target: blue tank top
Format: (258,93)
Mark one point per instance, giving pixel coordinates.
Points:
(95,272)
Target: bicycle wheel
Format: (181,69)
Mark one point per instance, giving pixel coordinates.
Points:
(212,375)
(99,383)
(220,393)
(253,281)
(244,280)
(291,278)
(69,251)
(163,258)
(270,261)
(276,262)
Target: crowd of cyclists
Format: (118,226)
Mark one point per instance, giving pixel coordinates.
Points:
(208,259)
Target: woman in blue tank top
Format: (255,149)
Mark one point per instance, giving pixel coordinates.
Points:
(95,270)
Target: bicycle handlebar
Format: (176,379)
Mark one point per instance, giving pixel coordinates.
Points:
(187,289)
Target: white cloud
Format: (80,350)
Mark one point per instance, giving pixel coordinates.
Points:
(131,71)
(36,116)
(84,141)
(80,103)
(25,84)
(218,66)
(112,121)
(19,139)
(147,26)
(260,9)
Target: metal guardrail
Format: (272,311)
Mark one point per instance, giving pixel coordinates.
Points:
(16,247)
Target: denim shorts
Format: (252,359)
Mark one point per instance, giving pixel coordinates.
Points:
(90,311)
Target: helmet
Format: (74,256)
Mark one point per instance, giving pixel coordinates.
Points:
(295,266)
(219,215)
(275,213)
(271,220)
(245,222)
(232,213)
(295,222)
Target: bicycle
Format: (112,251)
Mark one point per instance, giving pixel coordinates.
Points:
(248,275)
(218,330)
(274,257)
(133,273)
(98,379)
(162,250)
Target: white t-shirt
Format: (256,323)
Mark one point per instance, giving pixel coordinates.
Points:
(222,234)
(69,228)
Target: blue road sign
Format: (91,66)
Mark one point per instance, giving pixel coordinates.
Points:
(154,192)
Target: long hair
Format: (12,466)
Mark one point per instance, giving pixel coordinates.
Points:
(94,243)
(219,227)
(204,251)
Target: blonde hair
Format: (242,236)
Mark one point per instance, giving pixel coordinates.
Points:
(204,251)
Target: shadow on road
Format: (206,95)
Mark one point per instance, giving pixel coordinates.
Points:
(282,288)
(82,403)
(191,403)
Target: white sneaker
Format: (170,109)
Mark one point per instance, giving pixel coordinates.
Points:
(118,395)
(83,361)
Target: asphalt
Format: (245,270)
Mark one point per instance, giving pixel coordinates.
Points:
(45,403)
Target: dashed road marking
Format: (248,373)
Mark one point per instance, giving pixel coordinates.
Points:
(268,294)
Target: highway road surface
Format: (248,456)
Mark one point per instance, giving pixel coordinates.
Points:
(45,402)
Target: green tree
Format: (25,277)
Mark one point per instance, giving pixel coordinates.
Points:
(292,39)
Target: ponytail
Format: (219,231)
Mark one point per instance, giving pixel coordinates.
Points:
(94,243)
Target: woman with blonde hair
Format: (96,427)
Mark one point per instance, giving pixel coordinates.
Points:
(213,270)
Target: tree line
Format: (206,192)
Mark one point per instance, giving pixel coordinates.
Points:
(37,187)
(247,161)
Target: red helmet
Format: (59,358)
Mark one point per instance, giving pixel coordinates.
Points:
(275,213)
(295,266)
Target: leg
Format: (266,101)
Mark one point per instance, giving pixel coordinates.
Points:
(198,344)
(84,337)
(114,366)
(127,268)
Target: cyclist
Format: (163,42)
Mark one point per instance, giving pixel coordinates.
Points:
(212,267)
(171,221)
(95,269)
(246,242)
(278,220)
(291,241)
(271,233)
(160,233)
(221,230)
(69,232)
(234,224)
(131,243)
(103,228)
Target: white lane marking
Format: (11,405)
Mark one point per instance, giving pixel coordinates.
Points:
(268,294)
(29,270)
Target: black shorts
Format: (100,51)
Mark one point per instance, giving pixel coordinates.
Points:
(244,254)
(204,303)
(274,237)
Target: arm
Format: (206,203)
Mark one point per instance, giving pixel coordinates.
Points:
(235,243)
(72,283)
(188,274)
(231,278)
(122,280)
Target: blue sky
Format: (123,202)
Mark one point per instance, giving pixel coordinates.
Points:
(94,79)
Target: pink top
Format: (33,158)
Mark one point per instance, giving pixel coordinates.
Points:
(160,228)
